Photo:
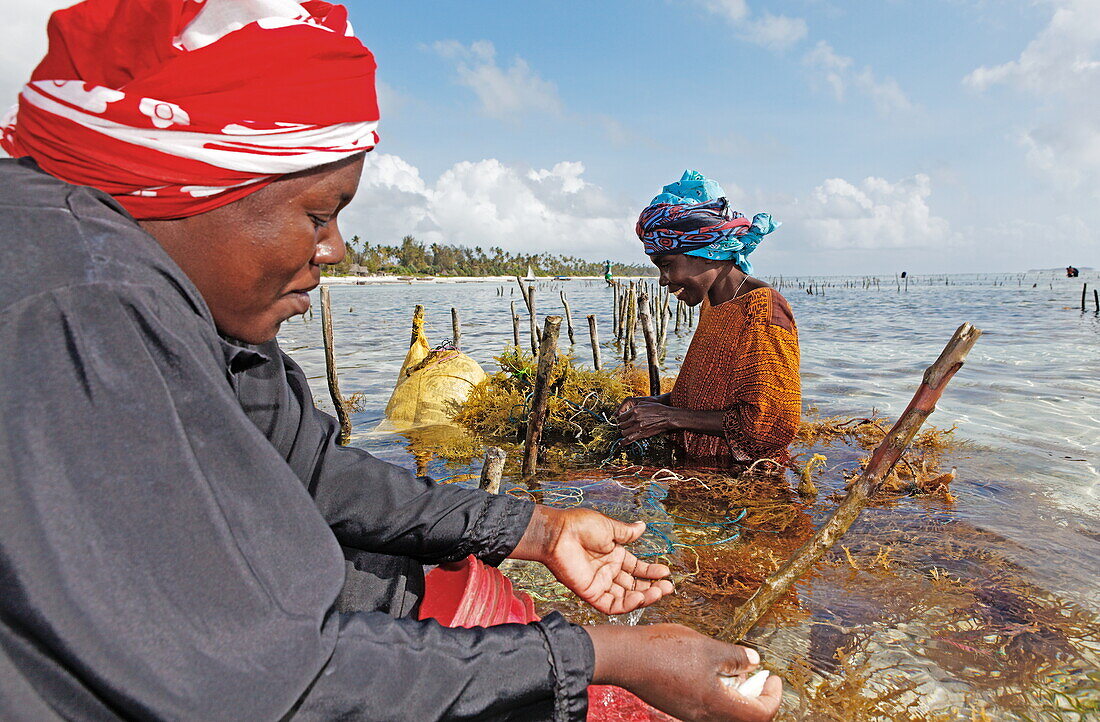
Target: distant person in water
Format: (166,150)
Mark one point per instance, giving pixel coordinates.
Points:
(738,395)
(1072,272)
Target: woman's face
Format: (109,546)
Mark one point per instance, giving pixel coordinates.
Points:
(688,278)
(255,260)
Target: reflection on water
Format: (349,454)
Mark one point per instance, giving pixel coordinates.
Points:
(984,602)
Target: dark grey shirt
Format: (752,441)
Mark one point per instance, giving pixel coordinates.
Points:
(173,507)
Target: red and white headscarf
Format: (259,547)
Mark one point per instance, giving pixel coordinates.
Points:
(176,107)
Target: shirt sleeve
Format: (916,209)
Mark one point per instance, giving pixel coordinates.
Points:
(431,672)
(372,504)
(160,560)
(767,405)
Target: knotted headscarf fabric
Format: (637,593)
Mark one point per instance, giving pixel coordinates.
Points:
(176,107)
(692,217)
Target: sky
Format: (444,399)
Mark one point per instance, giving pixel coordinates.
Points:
(934,136)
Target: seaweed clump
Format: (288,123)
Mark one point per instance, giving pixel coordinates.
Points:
(917,472)
(580,409)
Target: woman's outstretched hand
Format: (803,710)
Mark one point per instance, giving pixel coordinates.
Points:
(586,551)
(680,671)
(643,417)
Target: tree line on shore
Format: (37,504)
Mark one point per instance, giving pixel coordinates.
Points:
(413,258)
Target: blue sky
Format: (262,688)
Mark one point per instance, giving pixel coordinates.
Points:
(928,135)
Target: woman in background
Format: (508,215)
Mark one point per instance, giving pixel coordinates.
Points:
(738,395)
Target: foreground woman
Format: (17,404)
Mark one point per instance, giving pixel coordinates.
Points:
(737,397)
(180,535)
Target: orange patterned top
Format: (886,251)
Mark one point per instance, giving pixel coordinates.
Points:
(743,358)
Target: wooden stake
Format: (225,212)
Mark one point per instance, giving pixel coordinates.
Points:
(1084,289)
(594,334)
(882,461)
(662,326)
(492,469)
(650,345)
(620,330)
(548,354)
(535,338)
(330,366)
(515,325)
(523,292)
(679,315)
(1096,299)
(568,318)
(456,328)
(615,307)
(628,327)
(632,329)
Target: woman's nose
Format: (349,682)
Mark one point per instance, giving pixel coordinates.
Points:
(331,248)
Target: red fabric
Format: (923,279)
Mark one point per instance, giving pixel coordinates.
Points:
(474,594)
(119,102)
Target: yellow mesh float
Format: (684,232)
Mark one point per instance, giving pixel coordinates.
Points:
(431,384)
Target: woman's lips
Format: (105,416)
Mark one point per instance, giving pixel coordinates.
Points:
(300,299)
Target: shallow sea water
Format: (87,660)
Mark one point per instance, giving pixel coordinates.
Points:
(1027,404)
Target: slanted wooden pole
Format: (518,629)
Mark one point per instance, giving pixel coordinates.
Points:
(523,292)
(1096,299)
(515,325)
(650,345)
(548,354)
(1084,290)
(679,315)
(878,468)
(492,469)
(330,367)
(594,334)
(456,328)
(568,318)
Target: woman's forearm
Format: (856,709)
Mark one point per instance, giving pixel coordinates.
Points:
(703,422)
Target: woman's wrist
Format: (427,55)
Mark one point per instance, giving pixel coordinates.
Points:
(612,647)
(540,536)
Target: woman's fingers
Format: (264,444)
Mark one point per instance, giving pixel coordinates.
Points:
(645,570)
(739,660)
(624,533)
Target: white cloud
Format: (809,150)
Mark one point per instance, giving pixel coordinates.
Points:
(1060,71)
(775,32)
(487,203)
(503,92)
(872,214)
(1061,58)
(839,74)
(733,10)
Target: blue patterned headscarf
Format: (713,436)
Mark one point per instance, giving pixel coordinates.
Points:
(692,216)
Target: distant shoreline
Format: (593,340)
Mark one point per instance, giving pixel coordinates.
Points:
(370,280)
